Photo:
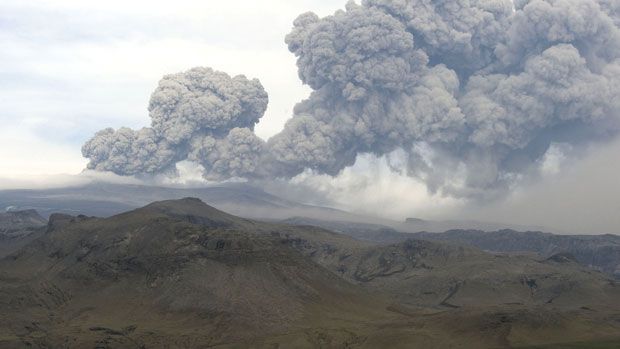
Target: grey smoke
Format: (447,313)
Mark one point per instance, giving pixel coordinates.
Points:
(236,155)
(129,152)
(203,101)
(477,109)
(201,113)
(460,33)
(475,92)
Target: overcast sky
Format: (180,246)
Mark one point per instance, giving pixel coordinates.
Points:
(69,68)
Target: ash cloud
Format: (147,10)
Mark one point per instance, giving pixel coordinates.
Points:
(201,114)
(236,155)
(474,93)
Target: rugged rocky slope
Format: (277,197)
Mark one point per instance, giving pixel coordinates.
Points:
(166,274)
(181,274)
(17,228)
(20,220)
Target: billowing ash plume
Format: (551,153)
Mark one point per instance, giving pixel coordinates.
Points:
(474,91)
(236,155)
(202,101)
(129,152)
(200,114)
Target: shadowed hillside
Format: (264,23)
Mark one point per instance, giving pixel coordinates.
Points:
(17,228)
(183,274)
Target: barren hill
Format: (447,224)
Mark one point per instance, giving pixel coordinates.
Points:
(182,274)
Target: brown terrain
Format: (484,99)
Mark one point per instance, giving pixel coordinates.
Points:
(181,274)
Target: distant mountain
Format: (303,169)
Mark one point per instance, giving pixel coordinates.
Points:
(246,200)
(106,199)
(180,273)
(600,252)
(414,225)
(597,251)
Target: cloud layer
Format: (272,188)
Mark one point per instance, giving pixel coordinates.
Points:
(474,92)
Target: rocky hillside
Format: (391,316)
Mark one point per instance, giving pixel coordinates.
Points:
(182,274)
(18,220)
(17,228)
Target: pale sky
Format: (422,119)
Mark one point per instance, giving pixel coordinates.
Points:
(71,67)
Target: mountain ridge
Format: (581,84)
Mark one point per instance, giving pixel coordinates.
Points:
(181,270)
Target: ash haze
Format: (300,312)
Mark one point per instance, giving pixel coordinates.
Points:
(488,110)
